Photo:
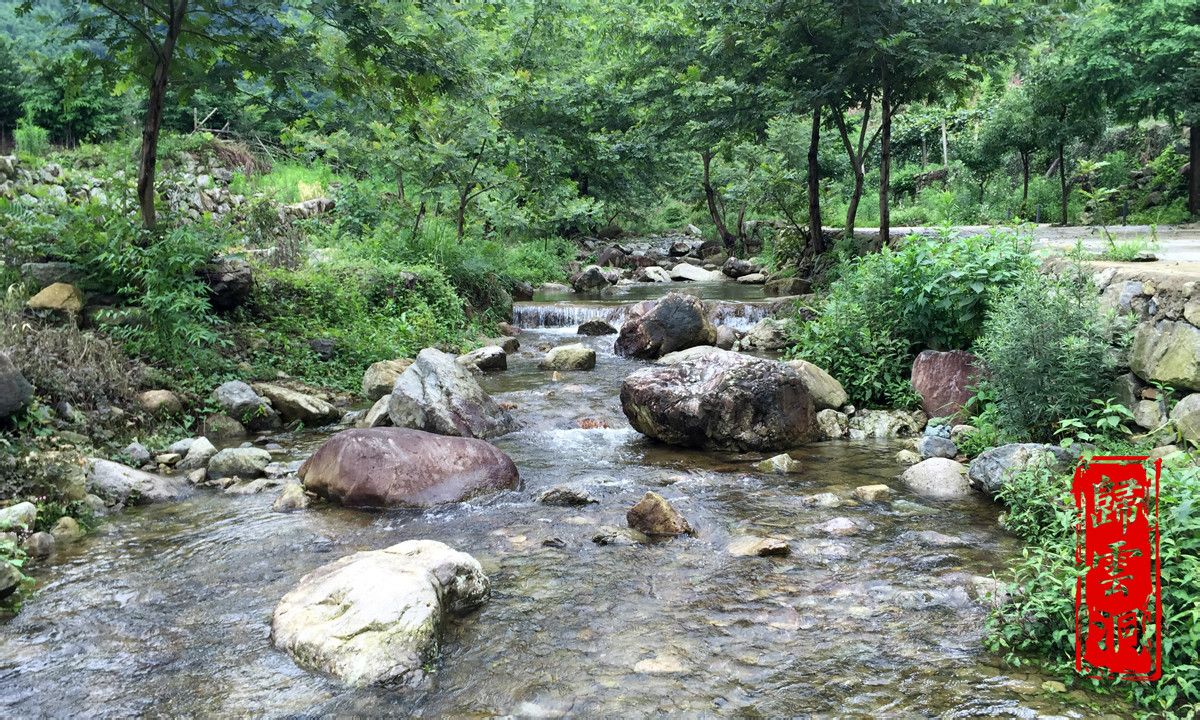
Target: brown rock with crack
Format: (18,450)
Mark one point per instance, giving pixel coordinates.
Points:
(657,327)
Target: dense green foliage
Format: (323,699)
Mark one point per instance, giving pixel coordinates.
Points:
(1046,345)
(887,307)
(1037,624)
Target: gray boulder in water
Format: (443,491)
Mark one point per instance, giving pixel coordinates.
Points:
(657,327)
(721,400)
(381,467)
(438,395)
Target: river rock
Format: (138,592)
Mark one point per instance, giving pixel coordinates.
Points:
(296,406)
(137,453)
(833,424)
(59,298)
(613,535)
(767,334)
(575,356)
(39,545)
(725,401)
(10,580)
(118,484)
(749,546)
(21,516)
(377,416)
(15,390)
(945,380)
(653,274)
(377,616)
(1167,352)
(885,424)
(243,404)
(872,493)
(38,275)
(656,328)
(736,268)
(938,477)
(438,395)
(993,468)
(244,463)
(220,426)
(292,498)
(930,446)
(566,495)
(66,530)
(690,354)
(727,337)
(653,515)
(752,279)
(826,392)
(1148,414)
(381,467)
(230,281)
(1186,417)
(596,327)
(160,402)
(691,273)
(378,380)
(592,279)
(199,452)
(488,359)
(908,457)
(780,464)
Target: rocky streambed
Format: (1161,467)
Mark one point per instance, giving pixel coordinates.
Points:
(877,610)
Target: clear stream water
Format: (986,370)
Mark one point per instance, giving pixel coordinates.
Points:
(165,611)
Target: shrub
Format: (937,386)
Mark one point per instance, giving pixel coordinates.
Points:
(1046,348)
(1037,625)
(372,311)
(31,140)
(929,293)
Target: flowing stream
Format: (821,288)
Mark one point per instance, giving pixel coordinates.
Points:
(165,611)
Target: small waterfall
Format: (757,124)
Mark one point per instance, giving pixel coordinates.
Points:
(737,315)
(556,315)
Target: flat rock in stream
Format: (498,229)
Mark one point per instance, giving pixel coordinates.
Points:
(380,467)
(118,484)
(377,616)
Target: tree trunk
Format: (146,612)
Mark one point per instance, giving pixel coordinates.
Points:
(148,159)
(714,212)
(855,198)
(420,217)
(400,185)
(1194,170)
(945,147)
(885,163)
(924,152)
(1062,184)
(816,237)
(460,216)
(1024,182)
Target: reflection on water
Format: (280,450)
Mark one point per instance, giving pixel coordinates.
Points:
(166,610)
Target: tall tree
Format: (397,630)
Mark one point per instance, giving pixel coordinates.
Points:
(1145,56)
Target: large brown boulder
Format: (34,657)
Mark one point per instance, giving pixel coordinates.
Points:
(721,400)
(380,467)
(657,327)
(945,380)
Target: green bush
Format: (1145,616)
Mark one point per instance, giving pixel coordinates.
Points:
(886,307)
(31,140)
(1038,624)
(372,311)
(1046,348)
